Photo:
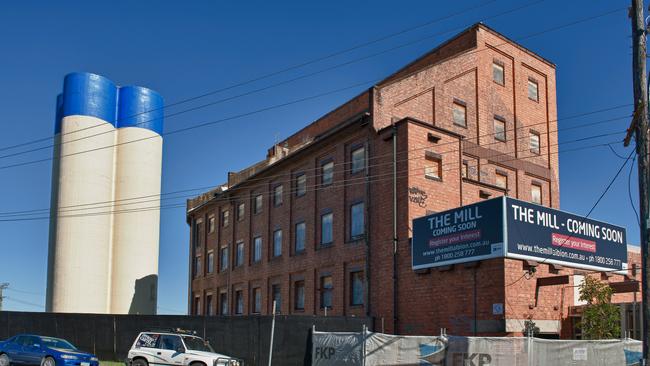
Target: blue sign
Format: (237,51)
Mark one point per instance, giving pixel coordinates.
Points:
(506,227)
(464,234)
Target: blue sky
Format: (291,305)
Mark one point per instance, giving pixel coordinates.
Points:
(184,49)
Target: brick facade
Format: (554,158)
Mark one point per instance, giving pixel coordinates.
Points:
(440,162)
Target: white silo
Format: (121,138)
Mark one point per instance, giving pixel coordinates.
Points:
(80,246)
(138,165)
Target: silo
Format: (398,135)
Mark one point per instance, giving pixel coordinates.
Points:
(138,166)
(80,240)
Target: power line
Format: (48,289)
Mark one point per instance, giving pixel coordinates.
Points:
(24,302)
(334,67)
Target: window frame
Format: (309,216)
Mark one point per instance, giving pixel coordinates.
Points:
(353,151)
(331,228)
(198,270)
(224,307)
(210,262)
(541,193)
(255,296)
(275,243)
(326,290)
(254,254)
(278,307)
(240,252)
(459,105)
(537,135)
(278,199)
(534,82)
(225,218)
(258,206)
(224,258)
(301,189)
(304,237)
(239,302)
(433,158)
(363,289)
(211,223)
(499,174)
(298,284)
(498,120)
(323,164)
(352,220)
(241,211)
(464,172)
(499,65)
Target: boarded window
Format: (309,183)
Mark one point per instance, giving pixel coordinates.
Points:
(459,113)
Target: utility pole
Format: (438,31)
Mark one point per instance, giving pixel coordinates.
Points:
(2,287)
(640,128)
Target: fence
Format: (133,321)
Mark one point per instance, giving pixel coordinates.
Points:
(246,337)
(369,349)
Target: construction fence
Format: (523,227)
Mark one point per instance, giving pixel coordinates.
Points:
(369,349)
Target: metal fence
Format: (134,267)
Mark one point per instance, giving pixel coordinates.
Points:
(245,337)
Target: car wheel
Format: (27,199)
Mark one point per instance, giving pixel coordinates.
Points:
(48,361)
(139,362)
(4,360)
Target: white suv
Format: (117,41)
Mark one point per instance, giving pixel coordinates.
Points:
(175,347)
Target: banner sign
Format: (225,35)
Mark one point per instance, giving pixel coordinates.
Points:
(506,227)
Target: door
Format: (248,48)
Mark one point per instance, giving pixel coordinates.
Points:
(32,351)
(172,350)
(14,349)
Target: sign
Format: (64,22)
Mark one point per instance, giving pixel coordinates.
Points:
(506,227)
(497,309)
(464,234)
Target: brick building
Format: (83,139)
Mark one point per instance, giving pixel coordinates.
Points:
(322,225)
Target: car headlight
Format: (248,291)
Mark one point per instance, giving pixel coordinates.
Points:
(69,357)
(94,359)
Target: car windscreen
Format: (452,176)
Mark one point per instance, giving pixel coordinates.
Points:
(57,343)
(197,344)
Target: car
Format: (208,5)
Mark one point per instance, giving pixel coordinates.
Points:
(175,347)
(29,349)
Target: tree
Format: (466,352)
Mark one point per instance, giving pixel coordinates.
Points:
(601,319)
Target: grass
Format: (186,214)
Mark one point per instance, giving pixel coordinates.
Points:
(111,363)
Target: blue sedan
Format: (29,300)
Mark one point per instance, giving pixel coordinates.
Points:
(29,349)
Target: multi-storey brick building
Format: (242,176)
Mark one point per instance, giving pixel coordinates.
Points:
(322,225)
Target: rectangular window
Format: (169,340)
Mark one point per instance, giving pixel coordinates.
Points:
(197,305)
(239,255)
(197,266)
(533,90)
(326,221)
(257,204)
(208,305)
(211,224)
(257,300)
(356,288)
(534,143)
(257,249)
(223,303)
(501,180)
(299,295)
(465,170)
(536,193)
(357,222)
(499,129)
(433,168)
(301,185)
(498,73)
(225,218)
(358,160)
(277,297)
(223,265)
(241,211)
(239,302)
(277,243)
(300,237)
(327,173)
(459,113)
(198,233)
(210,262)
(277,195)
(326,292)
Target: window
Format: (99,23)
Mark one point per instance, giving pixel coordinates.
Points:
(534,143)
(277,243)
(459,113)
(356,288)
(239,302)
(277,297)
(300,237)
(223,259)
(301,185)
(536,193)
(326,236)
(497,73)
(358,160)
(225,218)
(501,180)
(257,300)
(208,305)
(197,305)
(257,204)
(326,289)
(198,233)
(533,90)
(210,263)
(257,249)
(277,195)
(433,167)
(465,170)
(211,224)
(239,255)
(197,266)
(170,342)
(147,340)
(299,295)
(357,222)
(499,129)
(241,211)
(223,303)
(327,173)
